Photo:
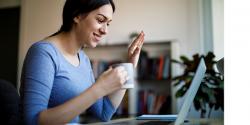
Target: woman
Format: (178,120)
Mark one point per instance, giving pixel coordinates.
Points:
(57,79)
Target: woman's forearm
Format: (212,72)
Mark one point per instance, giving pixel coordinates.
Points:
(64,113)
(117,97)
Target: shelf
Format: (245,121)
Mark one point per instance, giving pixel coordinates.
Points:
(157,86)
(119,51)
(146,43)
(154,50)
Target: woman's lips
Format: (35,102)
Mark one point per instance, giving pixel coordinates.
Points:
(97,37)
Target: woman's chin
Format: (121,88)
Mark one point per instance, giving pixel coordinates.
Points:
(93,45)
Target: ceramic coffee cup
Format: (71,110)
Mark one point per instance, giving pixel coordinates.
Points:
(130,70)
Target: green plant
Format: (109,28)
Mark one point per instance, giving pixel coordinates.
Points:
(211,91)
(132,35)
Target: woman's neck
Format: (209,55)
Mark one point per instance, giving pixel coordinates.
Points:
(66,41)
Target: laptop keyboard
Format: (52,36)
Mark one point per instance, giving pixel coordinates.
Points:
(156,123)
(145,123)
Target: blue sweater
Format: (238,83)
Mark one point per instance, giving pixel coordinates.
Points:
(49,80)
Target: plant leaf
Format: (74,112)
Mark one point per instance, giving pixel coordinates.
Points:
(184,59)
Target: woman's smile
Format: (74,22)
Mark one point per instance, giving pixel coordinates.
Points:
(97,37)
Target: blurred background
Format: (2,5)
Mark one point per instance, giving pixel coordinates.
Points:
(173,28)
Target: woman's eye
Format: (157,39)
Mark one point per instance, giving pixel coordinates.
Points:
(100,20)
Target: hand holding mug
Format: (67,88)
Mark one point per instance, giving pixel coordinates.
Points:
(129,83)
(112,79)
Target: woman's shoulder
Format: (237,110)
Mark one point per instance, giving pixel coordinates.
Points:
(43,46)
(42,50)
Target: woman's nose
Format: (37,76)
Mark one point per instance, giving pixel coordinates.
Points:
(104,29)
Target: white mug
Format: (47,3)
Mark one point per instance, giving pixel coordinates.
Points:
(130,83)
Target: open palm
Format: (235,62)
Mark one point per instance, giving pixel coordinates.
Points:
(135,49)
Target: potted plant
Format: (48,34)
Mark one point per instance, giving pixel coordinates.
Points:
(211,90)
(133,35)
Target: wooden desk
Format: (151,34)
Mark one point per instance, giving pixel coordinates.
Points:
(133,121)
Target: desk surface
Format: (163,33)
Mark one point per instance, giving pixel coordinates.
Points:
(133,121)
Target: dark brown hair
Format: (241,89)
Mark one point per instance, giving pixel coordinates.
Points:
(73,8)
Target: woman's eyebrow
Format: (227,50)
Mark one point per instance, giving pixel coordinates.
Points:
(106,18)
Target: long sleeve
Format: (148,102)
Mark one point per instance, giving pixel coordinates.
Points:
(37,80)
(103,109)
(49,80)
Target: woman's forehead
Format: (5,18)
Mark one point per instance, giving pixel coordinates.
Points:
(105,10)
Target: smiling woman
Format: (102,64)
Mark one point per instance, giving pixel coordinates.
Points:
(57,82)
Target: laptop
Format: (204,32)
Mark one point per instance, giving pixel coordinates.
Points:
(181,116)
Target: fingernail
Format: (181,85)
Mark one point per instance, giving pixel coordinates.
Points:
(127,78)
(142,33)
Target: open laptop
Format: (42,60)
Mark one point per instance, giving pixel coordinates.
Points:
(180,118)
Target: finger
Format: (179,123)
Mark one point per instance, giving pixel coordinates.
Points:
(120,68)
(127,78)
(131,50)
(136,41)
(123,80)
(136,52)
(109,69)
(141,42)
(125,73)
(137,38)
(123,76)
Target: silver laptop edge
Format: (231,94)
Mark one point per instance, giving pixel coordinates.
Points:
(200,73)
(190,95)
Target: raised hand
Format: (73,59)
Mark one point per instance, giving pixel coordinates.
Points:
(135,49)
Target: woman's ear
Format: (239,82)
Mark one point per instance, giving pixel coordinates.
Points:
(77,19)
(80,17)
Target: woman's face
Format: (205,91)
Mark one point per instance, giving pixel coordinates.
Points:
(91,28)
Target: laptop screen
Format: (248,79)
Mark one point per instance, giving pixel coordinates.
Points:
(200,73)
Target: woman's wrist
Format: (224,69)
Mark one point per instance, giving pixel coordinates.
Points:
(98,90)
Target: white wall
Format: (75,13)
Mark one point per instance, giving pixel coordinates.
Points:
(39,18)
(193,43)
(218,27)
(160,19)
